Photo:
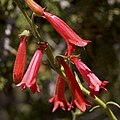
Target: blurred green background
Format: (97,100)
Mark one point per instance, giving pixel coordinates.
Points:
(96,20)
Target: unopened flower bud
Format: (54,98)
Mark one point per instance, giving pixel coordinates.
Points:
(20,61)
(38,10)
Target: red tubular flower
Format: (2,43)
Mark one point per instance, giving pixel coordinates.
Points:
(29,79)
(77,96)
(65,31)
(19,65)
(59,98)
(94,83)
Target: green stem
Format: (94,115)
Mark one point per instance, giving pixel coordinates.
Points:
(101,103)
(22,10)
(31,23)
(73,115)
(37,35)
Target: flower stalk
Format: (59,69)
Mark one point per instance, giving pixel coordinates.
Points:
(98,101)
(57,69)
(101,103)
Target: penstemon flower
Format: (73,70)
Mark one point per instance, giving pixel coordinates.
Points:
(20,61)
(59,98)
(94,83)
(77,95)
(29,79)
(65,31)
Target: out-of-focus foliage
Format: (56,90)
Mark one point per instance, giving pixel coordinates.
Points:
(96,20)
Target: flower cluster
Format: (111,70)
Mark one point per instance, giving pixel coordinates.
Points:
(29,78)
(72,40)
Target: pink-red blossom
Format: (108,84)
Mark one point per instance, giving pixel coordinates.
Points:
(77,95)
(20,61)
(29,79)
(94,83)
(59,98)
(65,31)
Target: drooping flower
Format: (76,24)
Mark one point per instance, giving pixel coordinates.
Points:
(77,95)
(65,31)
(20,61)
(94,83)
(29,79)
(59,98)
